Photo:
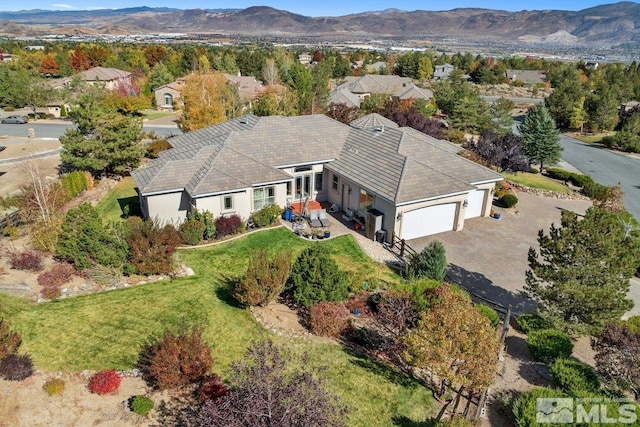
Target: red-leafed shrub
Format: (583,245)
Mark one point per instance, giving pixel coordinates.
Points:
(151,246)
(26,260)
(104,382)
(176,359)
(53,279)
(212,388)
(16,367)
(329,319)
(227,225)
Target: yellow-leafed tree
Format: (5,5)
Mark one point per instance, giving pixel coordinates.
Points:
(207,99)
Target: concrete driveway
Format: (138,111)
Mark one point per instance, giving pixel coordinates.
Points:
(489,256)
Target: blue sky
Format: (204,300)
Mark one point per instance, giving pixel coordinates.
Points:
(309,8)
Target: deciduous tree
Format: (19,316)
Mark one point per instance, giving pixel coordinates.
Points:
(580,276)
(454,340)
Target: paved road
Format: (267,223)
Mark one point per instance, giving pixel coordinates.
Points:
(606,167)
(53,129)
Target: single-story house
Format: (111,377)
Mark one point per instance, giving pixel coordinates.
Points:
(110,77)
(249,88)
(392,85)
(526,76)
(416,184)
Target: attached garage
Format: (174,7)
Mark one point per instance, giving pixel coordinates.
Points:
(475,202)
(427,221)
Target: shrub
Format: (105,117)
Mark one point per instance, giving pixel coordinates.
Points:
(264,280)
(104,382)
(524,408)
(212,388)
(549,344)
(141,405)
(75,182)
(53,279)
(9,340)
(151,246)
(430,263)
(559,174)
(531,322)
(157,146)
(397,311)
(54,387)
(267,215)
(16,367)
(509,200)
(176,359)
(360,302)
(580,180)
(11,232)
(315,277)
(574,377)
(191,231)
(329,319)
(26,260)
(534,170)
(228,225)
(634,324)
(206,217)
(490,314)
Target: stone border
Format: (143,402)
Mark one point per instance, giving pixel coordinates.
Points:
(574,195)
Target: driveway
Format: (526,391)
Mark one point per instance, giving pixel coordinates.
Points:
(489,256)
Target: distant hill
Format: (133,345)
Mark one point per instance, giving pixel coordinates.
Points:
(605,25)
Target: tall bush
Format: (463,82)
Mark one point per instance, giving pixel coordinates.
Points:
(267,215)
(176,359)
(151,246)
(315,277)
(265,278)
(430,263)
(191,231)
(206,217)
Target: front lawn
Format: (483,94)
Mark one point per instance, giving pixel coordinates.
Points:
(107,330)
(536,180)
(122,200)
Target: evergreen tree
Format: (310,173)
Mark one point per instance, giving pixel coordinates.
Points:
(103,142)
(580,276)
(541,137)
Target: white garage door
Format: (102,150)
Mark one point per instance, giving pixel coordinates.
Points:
(428,221)
(476,201)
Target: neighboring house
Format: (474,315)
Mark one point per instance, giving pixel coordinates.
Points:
(343,96)
(5,57)
(305,58)
(442,71)
(376,67)
(629,106)
(394,86)
(168,95)
(526,76)
(110,77)
(418,184)
(249,88)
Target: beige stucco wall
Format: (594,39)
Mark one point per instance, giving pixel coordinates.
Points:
(215,204)
(159,95)
(488,198)
(169,207)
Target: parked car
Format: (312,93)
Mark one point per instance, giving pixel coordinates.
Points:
(18,120)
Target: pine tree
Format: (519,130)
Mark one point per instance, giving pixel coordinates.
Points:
(541,137)
(580,276)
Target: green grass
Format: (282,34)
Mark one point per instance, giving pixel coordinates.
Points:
(112,207)
(107,330)
(589,139)
(534,180)
(154,114)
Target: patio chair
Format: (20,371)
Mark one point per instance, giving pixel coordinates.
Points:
(323,217)
(313,217)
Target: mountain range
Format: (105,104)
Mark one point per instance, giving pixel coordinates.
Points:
(604,25)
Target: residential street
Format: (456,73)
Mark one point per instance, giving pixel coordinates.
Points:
(606,167)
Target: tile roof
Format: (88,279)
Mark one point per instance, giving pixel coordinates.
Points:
(401,165)
(103,74)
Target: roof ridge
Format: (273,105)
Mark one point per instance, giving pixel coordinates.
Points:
(402,173)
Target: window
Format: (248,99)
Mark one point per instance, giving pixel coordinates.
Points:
(227,203)
(168,100)
(366,201)
(318,181)
(334,182)
(289,188)
(263,196)
(302,168)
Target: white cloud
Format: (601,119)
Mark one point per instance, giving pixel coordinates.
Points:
(63,6)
